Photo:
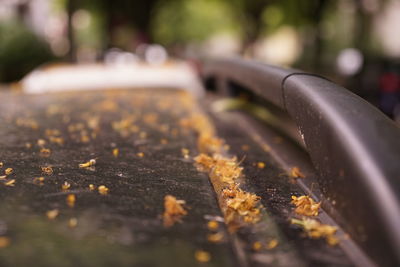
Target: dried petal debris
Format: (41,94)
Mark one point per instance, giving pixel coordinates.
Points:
(8,171)
(41,142)
(38,180)
(173,210)
(272,244)
(257,246)
(103,190)
(185,153)
(212,225)
(202,256)
(4,241)
(305,205)
(72,223)
(45,152)
(238,206)
(315,229)
(52,214)
(260,165)
(10,182)
(48,170)
(65,186)
(225,169)
(71,199)
(241,203)
(90,163)
(296,173)
(215,237)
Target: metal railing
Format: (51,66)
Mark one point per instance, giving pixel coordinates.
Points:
(354,147)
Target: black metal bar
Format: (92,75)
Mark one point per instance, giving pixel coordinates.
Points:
(354,147)
(263,80)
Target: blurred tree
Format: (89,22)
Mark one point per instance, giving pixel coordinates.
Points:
(261,17)
(116,13)
(312,13)
(193,21)
(188,21)
(20,51)
(137,14)
(250,14)
(71,7)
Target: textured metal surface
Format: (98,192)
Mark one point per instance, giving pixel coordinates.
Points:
(124,227)
(358,159)
(265,80)
(354,147)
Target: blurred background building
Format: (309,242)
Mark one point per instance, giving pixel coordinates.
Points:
(355,43)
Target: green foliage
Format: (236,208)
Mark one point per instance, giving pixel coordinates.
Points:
(272,17)
(93,34)
(192,21)
(20,51)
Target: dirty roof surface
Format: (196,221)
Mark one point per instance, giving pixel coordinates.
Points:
(124,226)
(139,145)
